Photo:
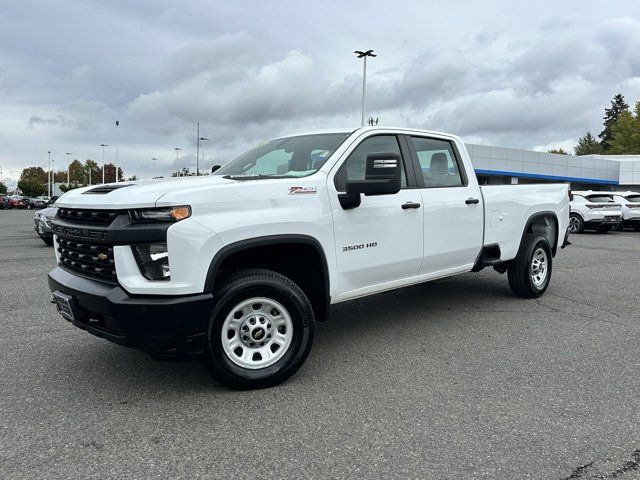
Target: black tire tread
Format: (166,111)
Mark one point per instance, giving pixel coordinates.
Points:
(518,272)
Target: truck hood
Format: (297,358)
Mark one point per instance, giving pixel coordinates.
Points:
(140,193)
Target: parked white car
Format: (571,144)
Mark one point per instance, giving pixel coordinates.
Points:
(630,202)
(236,267)
(594,210)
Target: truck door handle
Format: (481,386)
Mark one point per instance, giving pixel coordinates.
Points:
(406,206)
(471,201)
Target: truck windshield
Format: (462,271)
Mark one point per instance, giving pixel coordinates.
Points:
(284,157)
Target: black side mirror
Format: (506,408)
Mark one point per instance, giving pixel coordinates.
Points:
(382,175)
(215,167)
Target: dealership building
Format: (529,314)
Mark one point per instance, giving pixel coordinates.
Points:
(498,165)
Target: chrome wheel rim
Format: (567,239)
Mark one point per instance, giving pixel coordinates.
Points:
(574,224)
(257,333)
(539,267)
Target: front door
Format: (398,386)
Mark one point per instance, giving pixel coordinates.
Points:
(379,241)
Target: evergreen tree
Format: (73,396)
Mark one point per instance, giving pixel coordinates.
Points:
(587,145)
(618,105)
(3,188)
(560,151)
(625,133)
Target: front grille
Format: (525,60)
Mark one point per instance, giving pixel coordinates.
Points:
(90,217)
(91,259)
(103,323)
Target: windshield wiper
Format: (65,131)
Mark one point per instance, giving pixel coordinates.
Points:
(258,176)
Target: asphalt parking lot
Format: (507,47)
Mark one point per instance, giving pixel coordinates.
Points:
(454,379)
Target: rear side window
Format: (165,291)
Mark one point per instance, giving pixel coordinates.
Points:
(355,166)
(600,199)
(437,162)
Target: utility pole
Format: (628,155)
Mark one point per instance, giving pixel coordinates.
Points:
(103,145)
(177,149)
(364,55)
(155,173)
(68,167)
(53,175)
(117,124)
(49,176)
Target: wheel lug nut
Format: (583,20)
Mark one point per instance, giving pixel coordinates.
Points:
(252,344)
(245,338)
(262,320)
(252,321)
(245,328)
(262,344)
(268,325)
(269,336)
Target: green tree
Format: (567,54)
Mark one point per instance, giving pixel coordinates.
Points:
(96,172)
(611,115)
(559,151)
(183,173)
(587,145)
(34,173)
(77,173)
(31,187)
(625,134)
(3,188)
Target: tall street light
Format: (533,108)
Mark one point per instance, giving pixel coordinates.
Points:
(177,149)
(154,167)
(365,54)
(117,124)
(103,145)
(68,154)
(53,175)
(202,139)
(49,176)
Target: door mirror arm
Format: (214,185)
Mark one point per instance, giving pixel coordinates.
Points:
(349,201)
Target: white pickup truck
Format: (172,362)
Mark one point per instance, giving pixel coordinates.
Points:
(236,267)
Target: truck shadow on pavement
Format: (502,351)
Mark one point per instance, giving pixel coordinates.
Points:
(97,364)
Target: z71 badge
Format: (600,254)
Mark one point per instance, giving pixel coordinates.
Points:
(302,190)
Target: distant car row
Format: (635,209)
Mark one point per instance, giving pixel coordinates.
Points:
(18,201)
(604,211)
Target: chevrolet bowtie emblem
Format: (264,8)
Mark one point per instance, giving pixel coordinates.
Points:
(102,256)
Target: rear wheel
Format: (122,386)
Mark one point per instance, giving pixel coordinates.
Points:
(576,224)
(530,272)
(261,330)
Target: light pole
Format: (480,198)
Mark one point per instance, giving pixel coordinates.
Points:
(49,176)
(103,145)
(177,149)
(365,54)
(53,177)
(154,167)
(202,139)
(68,167)
(117,124)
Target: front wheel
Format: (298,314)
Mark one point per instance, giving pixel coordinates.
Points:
(261,330)
(530,272)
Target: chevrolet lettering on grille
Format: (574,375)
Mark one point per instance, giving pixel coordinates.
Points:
(78,232)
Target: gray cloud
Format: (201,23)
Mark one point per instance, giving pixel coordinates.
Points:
(497,73)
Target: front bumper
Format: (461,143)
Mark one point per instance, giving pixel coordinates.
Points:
(164,326)
(43,228)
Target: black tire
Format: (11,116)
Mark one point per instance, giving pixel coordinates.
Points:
(48,240)
(520,272)
(576,220)
(618,227)
(243,285)
(636,228)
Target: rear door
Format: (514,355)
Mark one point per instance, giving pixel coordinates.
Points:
(453,210)
(380,241)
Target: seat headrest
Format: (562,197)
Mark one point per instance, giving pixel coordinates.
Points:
(439,165)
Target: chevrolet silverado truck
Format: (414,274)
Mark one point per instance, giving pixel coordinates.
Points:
(236,267)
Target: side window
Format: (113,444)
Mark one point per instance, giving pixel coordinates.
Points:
(354,167)
(437,162)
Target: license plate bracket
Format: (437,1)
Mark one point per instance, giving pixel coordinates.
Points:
(64,303)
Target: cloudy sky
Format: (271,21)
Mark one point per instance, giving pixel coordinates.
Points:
(508,73)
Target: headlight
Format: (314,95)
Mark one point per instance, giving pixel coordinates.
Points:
(165,214)
(153,260)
